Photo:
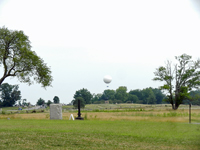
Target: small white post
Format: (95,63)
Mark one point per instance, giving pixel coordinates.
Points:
(71,117)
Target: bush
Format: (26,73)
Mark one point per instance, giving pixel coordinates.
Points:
(85,117)
(97,102)
(118,101)
(3,112)
(34,111)
(139,102)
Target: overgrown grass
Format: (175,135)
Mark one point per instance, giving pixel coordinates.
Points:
(114,110)
(9,108)
(95,134)
(162,114)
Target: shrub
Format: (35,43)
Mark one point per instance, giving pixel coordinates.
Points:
(3,112)
(34,111)
(85,117)
(47,116)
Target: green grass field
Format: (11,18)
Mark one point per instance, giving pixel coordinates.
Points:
(96,134)
(157,128)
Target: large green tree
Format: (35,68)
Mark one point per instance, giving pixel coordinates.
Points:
(151,98)
(18,60)
(180,79)
(159,95)
(96,97)
(148,96)
(136,92)
(132,98)
(108,95)
(121,94)
(85,94)
(9,95)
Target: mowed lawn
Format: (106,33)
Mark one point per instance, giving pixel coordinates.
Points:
(97,134)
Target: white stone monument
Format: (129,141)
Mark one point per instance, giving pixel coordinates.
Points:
(55,111)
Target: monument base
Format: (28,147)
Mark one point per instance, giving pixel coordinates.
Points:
(79,118)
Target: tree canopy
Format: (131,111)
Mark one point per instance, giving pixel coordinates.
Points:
(49,102)
(18,60)
(56,100)
(40,101)
(121,93)
(195,96)
(9,94)
(108,95)
(132,98)
(137,92)
(82,102)
(180,80)
(148,96)
(85,94)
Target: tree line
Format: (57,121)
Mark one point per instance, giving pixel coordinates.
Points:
(41,101)
(10,95)
(121,95)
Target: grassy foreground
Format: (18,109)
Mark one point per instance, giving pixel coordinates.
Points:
(97,134)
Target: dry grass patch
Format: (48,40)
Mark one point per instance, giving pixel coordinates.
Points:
(151,113)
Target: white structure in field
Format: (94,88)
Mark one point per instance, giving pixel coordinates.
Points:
(55,111)
(71,117)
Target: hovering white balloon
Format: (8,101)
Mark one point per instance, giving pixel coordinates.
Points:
(107,79)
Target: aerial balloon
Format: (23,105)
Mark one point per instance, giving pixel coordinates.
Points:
(107,79)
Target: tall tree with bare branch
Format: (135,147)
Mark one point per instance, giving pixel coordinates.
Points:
(179,79)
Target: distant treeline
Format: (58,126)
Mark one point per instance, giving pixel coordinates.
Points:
(195,97)
(121,95)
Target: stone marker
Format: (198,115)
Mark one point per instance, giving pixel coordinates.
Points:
(55,111)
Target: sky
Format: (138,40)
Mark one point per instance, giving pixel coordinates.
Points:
(84,40)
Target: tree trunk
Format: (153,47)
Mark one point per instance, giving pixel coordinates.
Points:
(175,106)
(172,106)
